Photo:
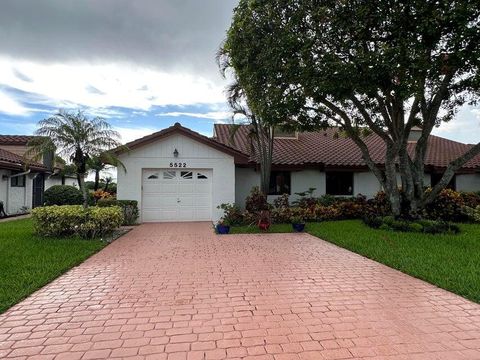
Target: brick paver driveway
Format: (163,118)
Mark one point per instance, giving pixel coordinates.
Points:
(169,291)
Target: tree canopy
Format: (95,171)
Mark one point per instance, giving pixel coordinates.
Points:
(364,66)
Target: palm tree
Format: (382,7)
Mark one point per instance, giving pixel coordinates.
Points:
(261,134)
(74,136)
(98,163)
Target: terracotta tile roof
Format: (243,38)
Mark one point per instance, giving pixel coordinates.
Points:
(15,139)
(10,159)
(327,148)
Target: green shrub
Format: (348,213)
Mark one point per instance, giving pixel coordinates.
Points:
(447,206)
(306,199)
(281,202)
(325,213)
(281,215)
(129,208)
(107,202)
(74,220)
(326,200)
(438,227)
(256,201)
(232,215)
(378,206)
(63,195)
(473,213)
(350,209)
(374,222)
(471,199)
(419,226)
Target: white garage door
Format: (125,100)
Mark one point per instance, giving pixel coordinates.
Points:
(177,195)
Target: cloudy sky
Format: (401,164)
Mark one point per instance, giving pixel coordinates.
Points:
(143,64)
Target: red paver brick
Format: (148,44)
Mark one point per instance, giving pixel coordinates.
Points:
(165,291)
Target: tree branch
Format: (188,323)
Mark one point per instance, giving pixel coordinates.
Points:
(450,172)
(377,129)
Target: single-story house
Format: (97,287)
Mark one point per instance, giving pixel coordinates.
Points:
(22,183)
(180,175)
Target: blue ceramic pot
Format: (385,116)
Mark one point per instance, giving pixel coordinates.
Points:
(298,227)
(223,229)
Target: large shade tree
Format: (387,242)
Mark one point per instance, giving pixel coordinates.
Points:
(75,136)
(381,67)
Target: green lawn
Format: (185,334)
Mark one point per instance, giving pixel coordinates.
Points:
(451,262)
(28,262)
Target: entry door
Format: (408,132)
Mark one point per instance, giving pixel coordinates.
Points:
(171,195)
(38,190)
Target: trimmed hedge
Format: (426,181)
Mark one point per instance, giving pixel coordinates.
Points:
(75,220)
(129,208)
(63,195)
(420,226)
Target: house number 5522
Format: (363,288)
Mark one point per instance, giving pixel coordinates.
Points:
(178,165)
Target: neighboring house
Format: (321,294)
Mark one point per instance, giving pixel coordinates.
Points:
(179,175)
(22,183)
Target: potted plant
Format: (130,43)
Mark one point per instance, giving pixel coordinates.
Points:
(298,224)
(223,226)
(264,220)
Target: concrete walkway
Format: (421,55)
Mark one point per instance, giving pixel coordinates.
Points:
(177,291)
(13,218)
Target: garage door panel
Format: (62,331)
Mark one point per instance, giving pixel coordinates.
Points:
(160,188)
(202,188)
(186,188)
(159,202)
(177,195)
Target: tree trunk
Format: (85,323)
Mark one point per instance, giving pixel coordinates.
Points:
(97,180)
(83,188)
(107,182)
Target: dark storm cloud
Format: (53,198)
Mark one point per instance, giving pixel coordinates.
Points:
(163,34)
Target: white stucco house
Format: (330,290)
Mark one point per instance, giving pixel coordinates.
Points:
(179,175)
(22,183)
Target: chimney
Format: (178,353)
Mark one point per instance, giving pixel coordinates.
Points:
(415,134)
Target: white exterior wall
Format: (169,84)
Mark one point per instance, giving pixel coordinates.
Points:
(49,182)
(245,179)
(57,180)
(365,183)
(159,155)
(468,182)
(302,180)
(16,198)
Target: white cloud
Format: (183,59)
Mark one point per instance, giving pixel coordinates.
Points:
(130,134)
(464,128)
(70,85)
(10,106)
(219,116)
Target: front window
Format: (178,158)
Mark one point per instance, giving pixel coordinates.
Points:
(339,183)
(18,181)
(436,177)
(279,183)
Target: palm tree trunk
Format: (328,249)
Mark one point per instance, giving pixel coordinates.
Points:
(83,188)
(107,182)
(97,180)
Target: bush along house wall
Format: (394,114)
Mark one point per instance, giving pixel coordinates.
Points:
(129,208)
